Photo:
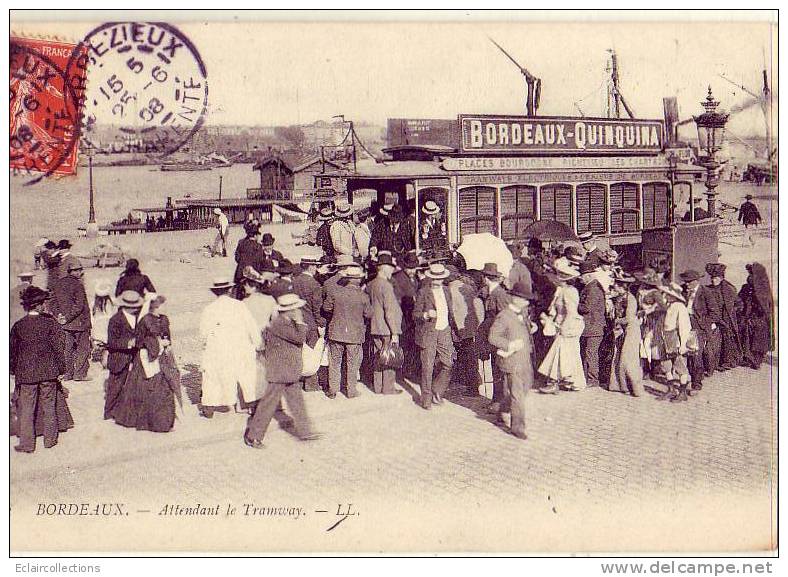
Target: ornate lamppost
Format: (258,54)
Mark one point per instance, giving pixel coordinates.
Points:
(711,132)
(92,228)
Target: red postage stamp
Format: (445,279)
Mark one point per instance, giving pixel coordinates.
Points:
(44,116)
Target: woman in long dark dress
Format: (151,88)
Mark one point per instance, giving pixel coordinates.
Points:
(133,279)
(757,316)
(148,401)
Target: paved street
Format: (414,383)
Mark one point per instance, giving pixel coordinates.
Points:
(593,460)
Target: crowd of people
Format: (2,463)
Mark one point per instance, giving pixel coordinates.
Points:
(564,318)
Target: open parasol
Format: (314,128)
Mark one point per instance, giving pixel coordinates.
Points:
(551,230)
(480,248)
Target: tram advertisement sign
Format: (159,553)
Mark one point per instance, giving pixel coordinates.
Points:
(559,134)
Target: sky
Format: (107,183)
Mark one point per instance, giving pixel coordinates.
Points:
(263,73)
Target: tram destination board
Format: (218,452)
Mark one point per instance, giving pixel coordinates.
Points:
(559,135)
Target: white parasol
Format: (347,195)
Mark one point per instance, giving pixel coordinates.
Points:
(480,248)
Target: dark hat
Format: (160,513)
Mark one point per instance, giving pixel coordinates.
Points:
(267,240)
(690,275)
(522,290)
(534,244)
(50,244)
(748,197)
(251,228)
(64,243)
(410,260)
(385,259)
(491,269)
(716,269)
(33,295)
(285,267)
(587,267)
(647,278)
(586,236)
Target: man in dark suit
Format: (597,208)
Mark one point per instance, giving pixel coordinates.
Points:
(593,308)
(270,257)
(284,339)
(67,259)
(349,306)
(703,311)
(121,347)
(495,300)
(73,314)
(406,283)
(593,253)
(385,324)
(432,312)
(510,334)
(37,362)
(310,291)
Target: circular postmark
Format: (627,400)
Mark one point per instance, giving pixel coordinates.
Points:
(44,119)
(145,87)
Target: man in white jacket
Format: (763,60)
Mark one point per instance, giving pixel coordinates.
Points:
(343,232)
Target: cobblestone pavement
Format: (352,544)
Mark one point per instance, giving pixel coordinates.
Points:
(587,451)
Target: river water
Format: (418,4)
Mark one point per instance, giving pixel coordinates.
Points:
(55,208)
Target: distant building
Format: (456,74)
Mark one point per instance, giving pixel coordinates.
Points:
(288,175)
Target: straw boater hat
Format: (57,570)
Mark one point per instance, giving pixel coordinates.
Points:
(33,295)
(102,288)
(437,271)
(353,271)
(430,207)
(386,208)
(310,260)
(673,290)
(565,271)
(130,299)
(343,211)
(26,276)
(222,284)
(586,236)
(289,302)
(325,214)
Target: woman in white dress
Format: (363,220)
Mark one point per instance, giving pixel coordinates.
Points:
(563,365)
(229,360)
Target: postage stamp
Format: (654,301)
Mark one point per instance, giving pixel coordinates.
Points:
(147,80)
(44,116)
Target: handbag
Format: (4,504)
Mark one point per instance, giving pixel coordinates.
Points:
(671,342)
(312,357)
(390,357)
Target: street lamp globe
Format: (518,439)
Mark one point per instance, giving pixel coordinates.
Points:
(711,132)
(711,126)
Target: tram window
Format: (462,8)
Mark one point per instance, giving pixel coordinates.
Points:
(477,210)
(591,208)
(655,205)
(555,203)
(624,207)
(518,210)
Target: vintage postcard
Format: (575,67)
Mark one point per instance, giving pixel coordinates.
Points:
(448,284)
